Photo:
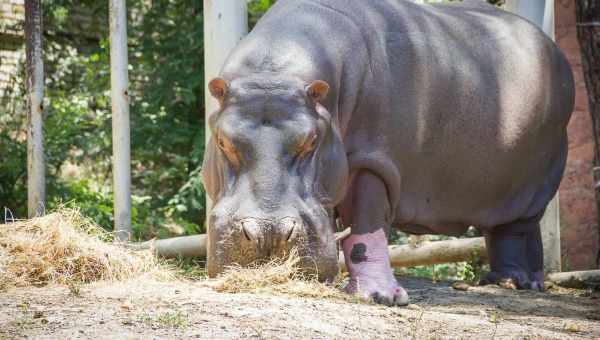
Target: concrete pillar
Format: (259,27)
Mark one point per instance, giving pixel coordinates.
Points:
(119,83)
(225,24)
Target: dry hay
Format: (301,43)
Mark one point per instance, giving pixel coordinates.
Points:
(279,276)
(66,248)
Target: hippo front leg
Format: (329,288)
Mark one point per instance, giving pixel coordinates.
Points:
(366,210)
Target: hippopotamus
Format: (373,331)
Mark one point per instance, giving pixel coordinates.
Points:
(385,114)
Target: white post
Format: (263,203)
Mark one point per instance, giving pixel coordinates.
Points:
(225,24)
(36,173)
(120,118)
(541,12)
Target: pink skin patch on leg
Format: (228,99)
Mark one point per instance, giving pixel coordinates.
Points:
(368,263)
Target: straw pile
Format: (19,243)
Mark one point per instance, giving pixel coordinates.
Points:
(279,276)
(66,248)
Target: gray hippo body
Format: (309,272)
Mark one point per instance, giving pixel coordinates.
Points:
(449,116)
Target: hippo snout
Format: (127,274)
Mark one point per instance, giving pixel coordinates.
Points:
(270,236)
(246,240)
(255,236)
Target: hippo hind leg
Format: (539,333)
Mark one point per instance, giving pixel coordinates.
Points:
(516,255)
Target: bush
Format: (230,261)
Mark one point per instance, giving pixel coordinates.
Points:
(166,87)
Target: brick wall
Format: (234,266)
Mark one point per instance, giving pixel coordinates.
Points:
(579,228)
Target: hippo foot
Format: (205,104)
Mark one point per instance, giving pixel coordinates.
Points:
(371,276)
(516,255)
(515,279)
(384,290)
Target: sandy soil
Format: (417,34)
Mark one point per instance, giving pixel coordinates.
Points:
(175,310)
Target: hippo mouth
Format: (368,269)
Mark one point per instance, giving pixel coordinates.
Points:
(254,241)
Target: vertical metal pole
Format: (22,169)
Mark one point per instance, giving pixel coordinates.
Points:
(36,173)
(119,83)
(541,12)
(225,24)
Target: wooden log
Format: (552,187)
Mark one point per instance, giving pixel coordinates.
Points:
(433,253)
(438,252)
(400,256)
(184,246)
(579,279)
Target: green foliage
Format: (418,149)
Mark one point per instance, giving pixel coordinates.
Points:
(13,173)
(256,8)
(189,268)
(470,271)
(474,268)
(167,123)
(167,112)
(493,2)
(92,203)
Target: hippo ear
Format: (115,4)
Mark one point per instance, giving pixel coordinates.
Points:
(218,89)
(212,176)
(331,166)
(317,90)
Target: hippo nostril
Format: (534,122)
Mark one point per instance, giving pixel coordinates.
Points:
(287,227)
(251,230)
(289,235)
(246,232)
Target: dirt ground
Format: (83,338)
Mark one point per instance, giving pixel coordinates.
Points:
(175,310)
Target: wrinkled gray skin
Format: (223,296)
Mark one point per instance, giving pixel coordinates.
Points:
(437,118)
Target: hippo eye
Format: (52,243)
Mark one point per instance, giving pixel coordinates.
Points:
(307,146)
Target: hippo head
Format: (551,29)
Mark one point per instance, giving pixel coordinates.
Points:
(275,167)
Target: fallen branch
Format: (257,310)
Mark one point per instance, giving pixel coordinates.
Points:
(400,256)
(184,246)
(580,279)
(429,253)
(438,252)
(189,246)
(434,253)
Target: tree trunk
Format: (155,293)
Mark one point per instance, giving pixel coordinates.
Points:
(580,279)
(36,169)
(588,33)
